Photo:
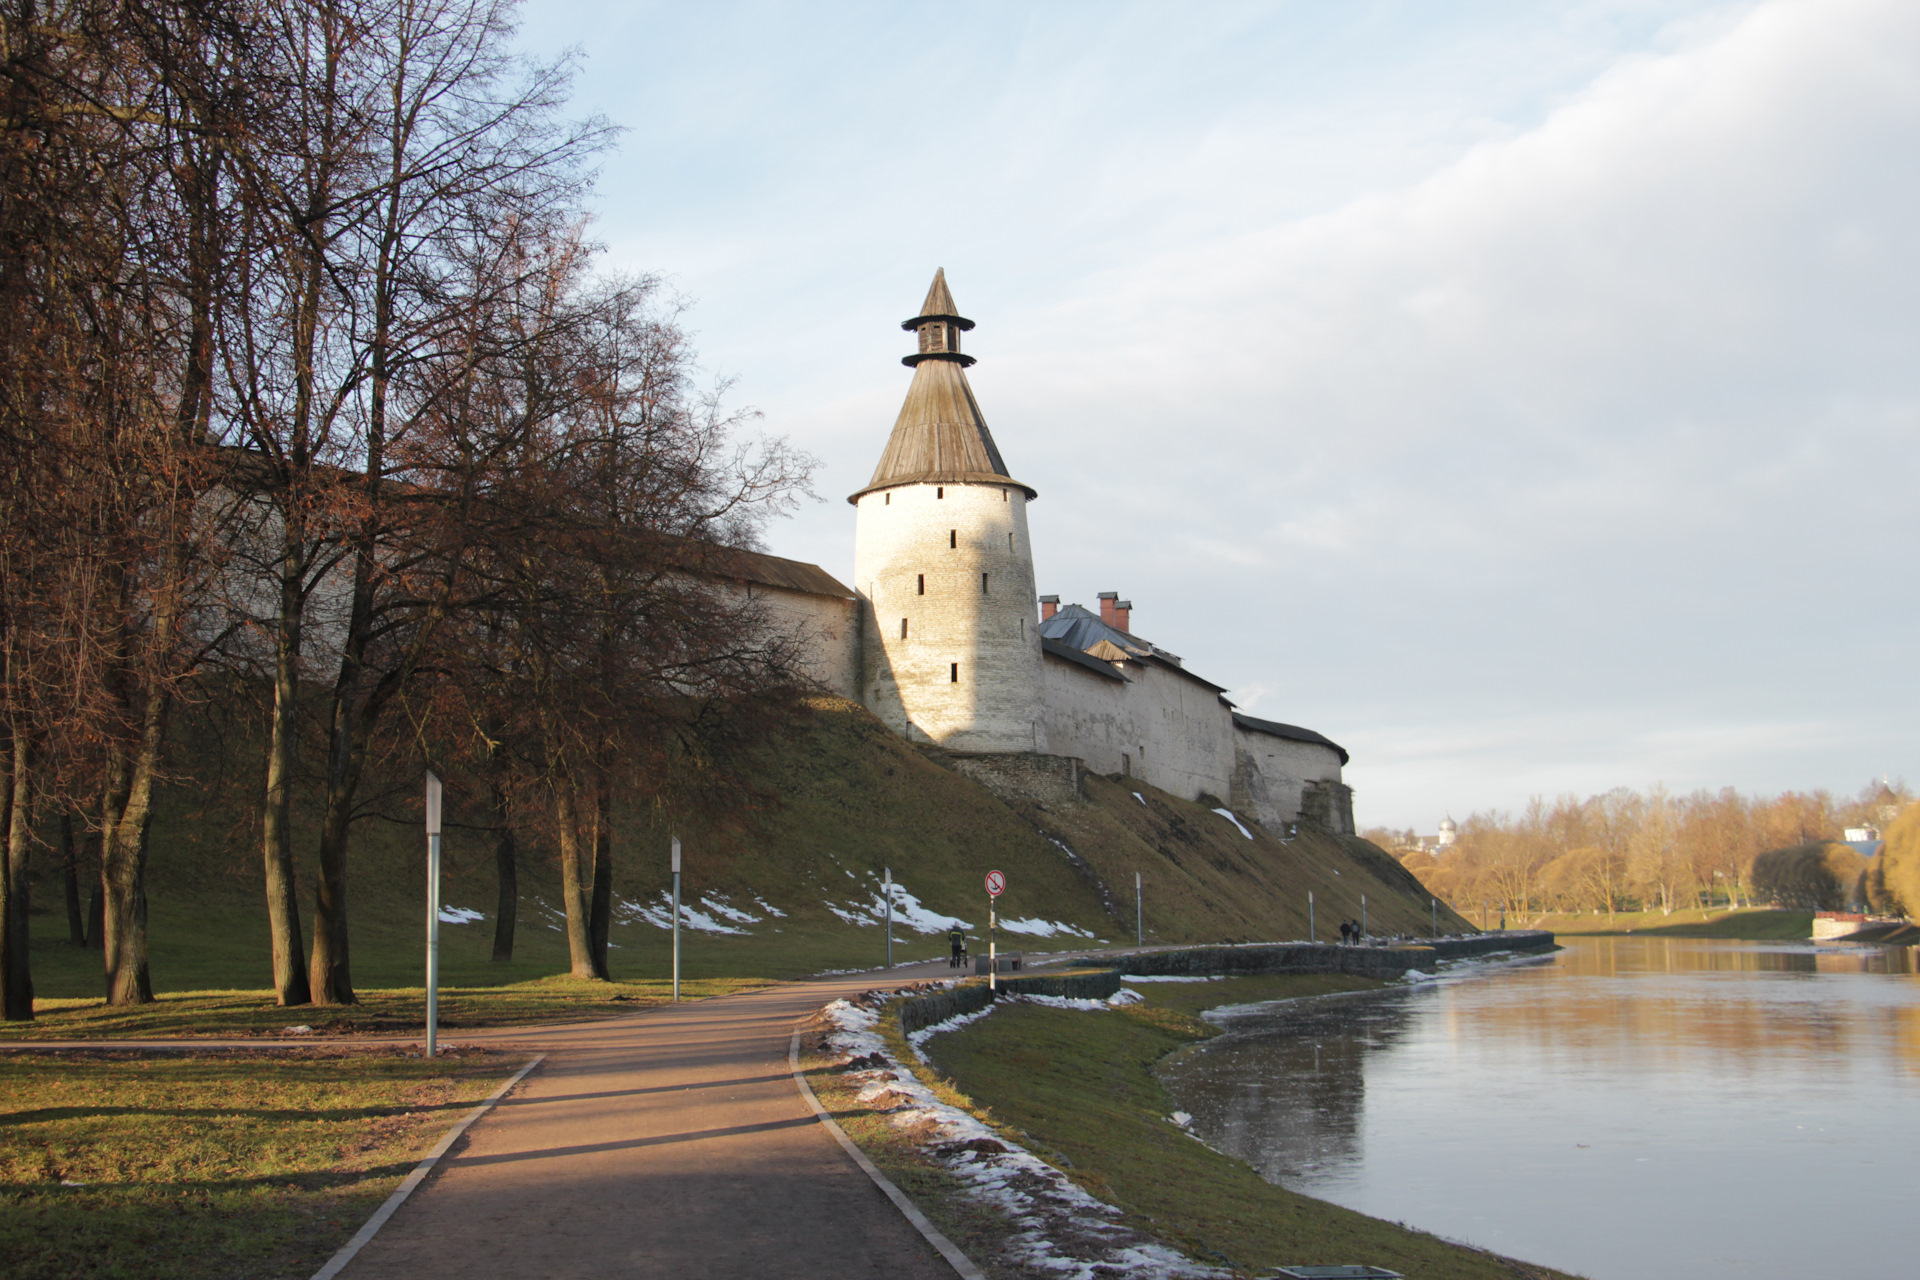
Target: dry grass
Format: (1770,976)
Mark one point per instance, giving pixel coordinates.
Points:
(212,1166)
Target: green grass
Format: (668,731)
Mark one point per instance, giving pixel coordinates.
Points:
(1079,1090)
(214,1167)
(1751,925)
(226,1014)
(843,800)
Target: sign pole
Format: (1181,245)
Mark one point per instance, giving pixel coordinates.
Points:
(993,966)
(888,871)
(996,885)
(1139,914)
(433,913)
(676,919)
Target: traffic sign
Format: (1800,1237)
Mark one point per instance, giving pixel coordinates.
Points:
(996,884)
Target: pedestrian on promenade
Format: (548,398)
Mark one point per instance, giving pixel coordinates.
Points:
(957,939)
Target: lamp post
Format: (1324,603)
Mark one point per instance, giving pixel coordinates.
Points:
(1139,913)
(433,912)
(676,919)
(887,882)
(1311,937)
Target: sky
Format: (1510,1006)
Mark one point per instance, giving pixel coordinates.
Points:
(1524,395)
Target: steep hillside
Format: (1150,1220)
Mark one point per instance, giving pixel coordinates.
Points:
(785,887)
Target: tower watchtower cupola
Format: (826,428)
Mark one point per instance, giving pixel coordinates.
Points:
(940,326)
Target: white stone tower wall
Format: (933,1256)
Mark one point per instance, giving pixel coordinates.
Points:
(950,534)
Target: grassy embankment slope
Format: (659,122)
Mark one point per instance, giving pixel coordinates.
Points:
(1079,1090)
(803,873)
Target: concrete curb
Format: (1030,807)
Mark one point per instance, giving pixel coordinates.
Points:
(946,1248)
(347,1252)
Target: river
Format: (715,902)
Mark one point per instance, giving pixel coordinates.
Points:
(1627,1108)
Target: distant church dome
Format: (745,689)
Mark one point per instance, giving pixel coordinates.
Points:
(1448,831)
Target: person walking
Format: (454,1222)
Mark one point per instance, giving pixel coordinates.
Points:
(957,939)
(1346,933)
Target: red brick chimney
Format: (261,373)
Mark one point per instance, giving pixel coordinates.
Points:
(1049,605)
(1114,611)
(1123,610)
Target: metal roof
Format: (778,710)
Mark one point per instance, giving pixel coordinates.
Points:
(1068,653)
(1292,732)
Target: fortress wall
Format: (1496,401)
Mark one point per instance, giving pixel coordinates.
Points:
(1089,716)
(825,630)
(1271,775)
(967,672)
(1160,727)
(1186,733)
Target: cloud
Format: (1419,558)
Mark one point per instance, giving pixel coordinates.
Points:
(1524,397)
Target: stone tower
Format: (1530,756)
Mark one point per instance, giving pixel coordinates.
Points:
(951,635)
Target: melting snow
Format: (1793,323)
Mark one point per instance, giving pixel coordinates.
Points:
(459,915)
(1137,796)
(1053,1226)
(661,916)
(908,912)
(1228,815)
(1163,977)
(1038,928)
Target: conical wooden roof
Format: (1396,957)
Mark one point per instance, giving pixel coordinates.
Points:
(940,436)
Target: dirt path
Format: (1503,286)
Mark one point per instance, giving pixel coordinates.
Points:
(670,1143)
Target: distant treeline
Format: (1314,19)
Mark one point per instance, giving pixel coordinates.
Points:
(1628,850)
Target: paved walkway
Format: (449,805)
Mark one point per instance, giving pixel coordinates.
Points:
(669,1143)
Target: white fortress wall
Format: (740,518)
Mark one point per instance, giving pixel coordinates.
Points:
(1159,726)
(1186,732)
(951,644)
(825,631)
(1089,715)
(1270,775)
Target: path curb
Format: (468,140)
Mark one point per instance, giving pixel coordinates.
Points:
(412,1181)
(945,1247)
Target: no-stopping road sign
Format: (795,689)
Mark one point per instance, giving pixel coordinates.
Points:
(996,884)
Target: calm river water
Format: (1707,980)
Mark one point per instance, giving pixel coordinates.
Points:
(1629,1109)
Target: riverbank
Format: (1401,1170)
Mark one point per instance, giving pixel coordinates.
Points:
(1748,924)
(1077,1088)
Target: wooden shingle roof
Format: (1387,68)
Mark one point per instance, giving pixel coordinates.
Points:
(940,437)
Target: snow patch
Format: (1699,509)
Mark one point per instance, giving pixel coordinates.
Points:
(908,913)
(1163,977)
(660,915)
(1054,1227)
(1182,1119)
(1038,928)
(1137,796)
(459,915)
(1228,815)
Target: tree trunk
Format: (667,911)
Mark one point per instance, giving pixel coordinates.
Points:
(602,904)
(16,971)
(283,906)
(70,878)
(126,816)
(332,979)
(506,867)
(572,888)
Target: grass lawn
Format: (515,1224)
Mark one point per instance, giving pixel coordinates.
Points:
(1079,1089)
(1748,925)
(223,1014)
(212,1166)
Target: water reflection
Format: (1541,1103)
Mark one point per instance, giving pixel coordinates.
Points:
(1629,1107)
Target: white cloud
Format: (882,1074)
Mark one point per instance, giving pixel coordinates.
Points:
(1524,396)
